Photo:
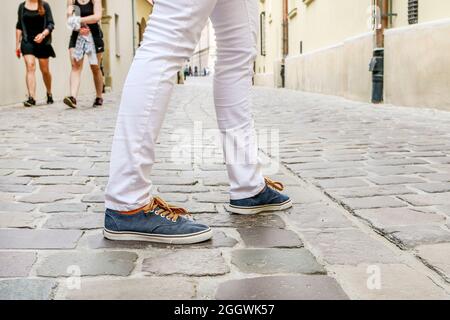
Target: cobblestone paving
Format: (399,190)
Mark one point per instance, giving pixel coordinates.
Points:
(371,187)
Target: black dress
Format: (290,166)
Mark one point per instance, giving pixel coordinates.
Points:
(32,24)
(97,34)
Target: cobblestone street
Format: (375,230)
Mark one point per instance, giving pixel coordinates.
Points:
(370,185)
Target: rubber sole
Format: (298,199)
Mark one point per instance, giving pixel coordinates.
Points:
(69,103)
(259,209)
(158,238)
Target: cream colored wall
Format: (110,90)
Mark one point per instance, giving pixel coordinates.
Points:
(267,67)
(120,61)
(323,23)
(417,65)
(430,10)
(12,70)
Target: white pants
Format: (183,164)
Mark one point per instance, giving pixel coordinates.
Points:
(170,38)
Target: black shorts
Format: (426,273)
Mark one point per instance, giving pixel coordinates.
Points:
(98,42)
(40,51)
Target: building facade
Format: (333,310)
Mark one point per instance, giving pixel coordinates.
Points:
(120,24)
(325,46)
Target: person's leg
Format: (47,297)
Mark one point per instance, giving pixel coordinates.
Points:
(75,75)
(235,23)
(98,76)
(46,75)
(30,63)
(169,40)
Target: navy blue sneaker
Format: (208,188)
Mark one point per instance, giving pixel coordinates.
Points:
(270,199)
(157,222)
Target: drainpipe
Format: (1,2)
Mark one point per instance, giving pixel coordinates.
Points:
(285,42)
(377,62)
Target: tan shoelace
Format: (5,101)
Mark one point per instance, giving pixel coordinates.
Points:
(161,208)
(274,184)
(166,210)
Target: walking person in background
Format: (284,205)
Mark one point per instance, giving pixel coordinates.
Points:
(171,35)
(87,39)
(33,40)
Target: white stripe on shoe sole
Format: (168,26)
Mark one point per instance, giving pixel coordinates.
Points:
(258,209)
(158,238)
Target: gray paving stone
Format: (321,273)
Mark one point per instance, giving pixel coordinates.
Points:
(64,207)
(212,197)
(60,180)
(81,221)
(342,183)
(301,287)
(273,261)
(369,191)
(302,195)
(151,288)
(12,180)
(42,173)
(186,262)
(347,246)
(262,237)
(119,263)
(17,164)
(16,188)
(67,189)
(398,282)
(98,197)
(16,264)
(173,197)
(433,187)
(27,289)
(421,200)
(174,181)
(66,165)
(38,239)
(182,189)
(390,217)
(408,237)
(318,216)
(17,207)
(373,202)
(232,220)
(44,197)
(445,209)
(437,257)
(392,180)
(399,170)
(18,220)
(442,177)
(332,173)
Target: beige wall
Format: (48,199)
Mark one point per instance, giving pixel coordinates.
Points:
(12,70)
(267,67)
(418,65)
(323,23)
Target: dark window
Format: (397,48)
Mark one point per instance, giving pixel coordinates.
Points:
(413,11)
(262,22)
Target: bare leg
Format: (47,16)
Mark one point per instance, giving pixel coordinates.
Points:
(98,76)
(75,75)
(30,63)
(46,75)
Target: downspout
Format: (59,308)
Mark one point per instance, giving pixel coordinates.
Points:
(377,63)
(285,42)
